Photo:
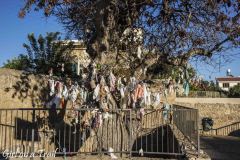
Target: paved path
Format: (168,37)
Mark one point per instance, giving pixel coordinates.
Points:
(221,148)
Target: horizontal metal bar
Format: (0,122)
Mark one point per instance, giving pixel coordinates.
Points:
(6,125)
(79,109)
(161,153)
(135,152)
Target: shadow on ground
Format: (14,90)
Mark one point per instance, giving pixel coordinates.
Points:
(235,133)
(160,140)
(221,147)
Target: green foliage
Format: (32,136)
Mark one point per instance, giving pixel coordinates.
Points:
(165,70)
(213,87)
(19,63)
(43,53)
(47,52)
(234,91)
(204,86)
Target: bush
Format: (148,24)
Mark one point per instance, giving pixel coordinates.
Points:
(19,63)
(234,92)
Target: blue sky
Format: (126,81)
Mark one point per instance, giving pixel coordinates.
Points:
(13,30)
(210,72)
(13,33)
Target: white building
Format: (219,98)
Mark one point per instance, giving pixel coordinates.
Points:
(227,82)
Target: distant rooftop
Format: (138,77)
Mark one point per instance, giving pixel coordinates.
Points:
(74,41)
(230,78)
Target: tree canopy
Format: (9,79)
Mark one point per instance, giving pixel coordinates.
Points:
(43,53)
(47,52)
(173,30)
(20,63)
(234,91)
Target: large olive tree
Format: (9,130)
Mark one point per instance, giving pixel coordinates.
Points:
(169,32)
(174,30)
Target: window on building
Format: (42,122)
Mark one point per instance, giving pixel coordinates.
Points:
(225,85)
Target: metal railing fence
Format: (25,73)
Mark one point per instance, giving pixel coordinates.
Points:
(187,121)
(69,131)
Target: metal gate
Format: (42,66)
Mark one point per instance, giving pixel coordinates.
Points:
(66,131)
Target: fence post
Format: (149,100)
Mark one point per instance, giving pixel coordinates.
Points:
(198,136)
(33,123)
(130,136)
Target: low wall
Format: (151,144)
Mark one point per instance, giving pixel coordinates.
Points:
(209,100)
(19,89)
(204,94)
(224,114)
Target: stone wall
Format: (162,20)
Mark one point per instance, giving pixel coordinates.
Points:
(21,90)
(208,100)
(223,114)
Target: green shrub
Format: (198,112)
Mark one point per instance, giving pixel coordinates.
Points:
(234,91)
